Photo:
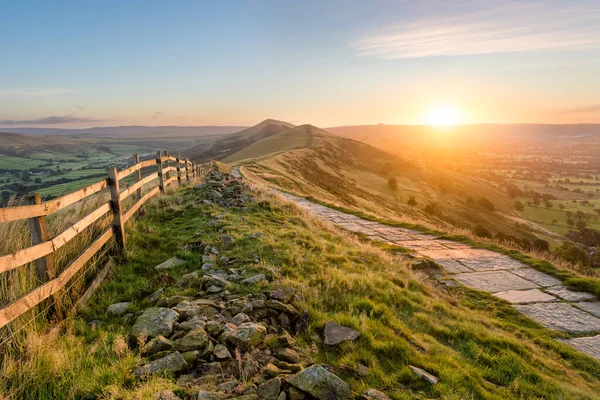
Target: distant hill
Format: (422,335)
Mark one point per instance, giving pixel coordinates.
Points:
(226,145)
(128,130)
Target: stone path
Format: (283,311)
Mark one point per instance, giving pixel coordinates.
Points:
(539,296)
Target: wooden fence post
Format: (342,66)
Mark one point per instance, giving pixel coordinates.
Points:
(37,228)
(178,170)
(161,178)
(115,201)
(187,171)
(138,176)
(167,165)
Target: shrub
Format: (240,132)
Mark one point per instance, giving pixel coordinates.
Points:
(486,203)
(541,244)
(519,206)
(412,202)
(572,253)
(393,184)
(482,231)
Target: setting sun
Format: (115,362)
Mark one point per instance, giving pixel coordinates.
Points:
(443,116)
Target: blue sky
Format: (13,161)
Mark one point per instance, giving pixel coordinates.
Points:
(94,63)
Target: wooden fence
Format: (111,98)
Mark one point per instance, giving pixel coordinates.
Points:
(43,248)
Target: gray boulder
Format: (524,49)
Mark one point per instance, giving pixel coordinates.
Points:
(118,308)
(269,390)
(374,394)
(320,383)
(196,339)
(154,322)
(254,279)
(247,335)
(159,343)
(170,263)
(173,362)
(335,333)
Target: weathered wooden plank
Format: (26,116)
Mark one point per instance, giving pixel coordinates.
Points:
(36,296)
(21,212)
(161,176)
(178,170)
(80,225)
(138,185)
(137,205)
(170,180)
(168,169)
(136,167)
(173,158)
(68,199)
(11,261)
(94,285)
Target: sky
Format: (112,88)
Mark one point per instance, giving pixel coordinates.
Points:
(337,62)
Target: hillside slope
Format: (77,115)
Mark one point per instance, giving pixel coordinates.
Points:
(229,144)
(477,346)
(309,161)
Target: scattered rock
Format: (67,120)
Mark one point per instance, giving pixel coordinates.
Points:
(154,322)
(269,390)
(295,394)
(254,279)
(159,343)
(190,356)
(118,308)
(282,396)
(188,280)
(166,395)
(228,386)
(154,297)
(424,374)
(196,339)
(320,383)
(277,305)
(363,370)
(170,263)
(335,333)
(227,240)
(273,370)
(204,395)
(282,295)
(288,355)
(221,352)
(247,335)
(173,362)
(240,319)
(374,394)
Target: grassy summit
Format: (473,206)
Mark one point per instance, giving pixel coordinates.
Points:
(477,346)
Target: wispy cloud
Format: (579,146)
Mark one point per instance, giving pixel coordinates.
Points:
(488,27)
(64,119)
(32,92)
(158,114)
(593,109)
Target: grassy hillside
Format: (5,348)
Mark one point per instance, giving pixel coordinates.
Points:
(478,346)
(308,161)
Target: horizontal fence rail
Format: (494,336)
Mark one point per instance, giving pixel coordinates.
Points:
(43,248)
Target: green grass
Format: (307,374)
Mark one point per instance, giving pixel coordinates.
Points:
(477,345)
(19,163)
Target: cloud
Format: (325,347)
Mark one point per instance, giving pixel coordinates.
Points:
(475,27)
(33,92)
(158,114)
(65,119)
(593,109)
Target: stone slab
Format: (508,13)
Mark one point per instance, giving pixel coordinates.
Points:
(538,277)
(525,296)
(494,281)
(561,317)
(497,263)
(453,266)
(457,253)
(569,295)
(591,307)
(586,345)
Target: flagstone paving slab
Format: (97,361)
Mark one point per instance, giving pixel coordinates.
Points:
(538,277)
(494,281)
(454,267)
(569,295)
(525,296)
(591,307)
(490,263)
(587,345)
(561,317)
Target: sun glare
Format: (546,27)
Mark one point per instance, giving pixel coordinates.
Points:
(443,116)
